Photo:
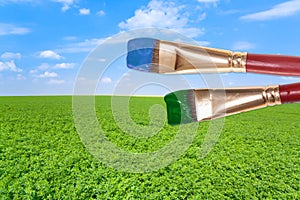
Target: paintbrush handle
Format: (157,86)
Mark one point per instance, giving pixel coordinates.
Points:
(290,93)
(273,64)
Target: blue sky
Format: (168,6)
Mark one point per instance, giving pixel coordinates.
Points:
(43,43)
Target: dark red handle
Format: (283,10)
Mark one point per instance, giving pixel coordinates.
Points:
(289,93)
(273,64)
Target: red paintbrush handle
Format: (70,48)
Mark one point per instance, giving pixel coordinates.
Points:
(273,64)
(290,93)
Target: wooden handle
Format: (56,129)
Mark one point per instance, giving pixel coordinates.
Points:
(273,64)
(290,93)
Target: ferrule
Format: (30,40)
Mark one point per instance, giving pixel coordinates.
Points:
(172,58)
(216,103)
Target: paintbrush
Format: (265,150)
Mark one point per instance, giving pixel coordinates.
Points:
(164,57)
(186,106)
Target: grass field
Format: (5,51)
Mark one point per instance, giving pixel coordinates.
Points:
(42,157)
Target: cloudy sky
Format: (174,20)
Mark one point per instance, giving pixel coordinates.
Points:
(43,43)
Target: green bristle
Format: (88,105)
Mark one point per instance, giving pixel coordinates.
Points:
(181,107)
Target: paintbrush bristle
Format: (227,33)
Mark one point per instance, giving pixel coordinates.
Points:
(181,107)
(142,54)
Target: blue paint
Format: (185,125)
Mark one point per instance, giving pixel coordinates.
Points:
(140,51)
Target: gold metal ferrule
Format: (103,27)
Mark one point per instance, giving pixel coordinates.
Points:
(180,58)
(216,103)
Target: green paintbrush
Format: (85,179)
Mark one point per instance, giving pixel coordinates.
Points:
(188,106)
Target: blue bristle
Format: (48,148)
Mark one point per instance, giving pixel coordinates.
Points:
(140,52)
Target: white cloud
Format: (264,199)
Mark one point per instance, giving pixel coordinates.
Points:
(106,80)
(65,7)
(50,54)
(42,71)
(33,71)
(79,47)
(66,4)
(48,75)
(10,55)
(285,9)
(9,66)
(43,66)
(243,45)
(55,82)
(84,11)
(20,77)
(159,14)
(64,66)
(11,29)
(101,13)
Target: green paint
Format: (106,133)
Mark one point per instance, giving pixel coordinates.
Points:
(178,108)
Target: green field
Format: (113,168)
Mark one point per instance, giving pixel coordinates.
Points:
(42,157)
